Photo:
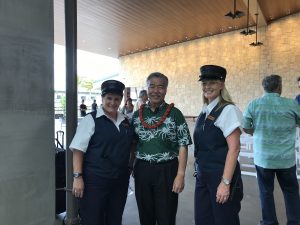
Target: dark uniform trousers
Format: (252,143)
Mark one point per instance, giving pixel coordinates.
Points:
(156,202)
(207,210)
(104,200)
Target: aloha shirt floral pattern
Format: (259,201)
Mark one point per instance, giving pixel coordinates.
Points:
(162,143)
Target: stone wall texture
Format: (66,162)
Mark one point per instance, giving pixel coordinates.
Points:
(246,66)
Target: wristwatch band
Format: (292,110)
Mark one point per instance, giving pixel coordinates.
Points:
(226,181)
(76,175)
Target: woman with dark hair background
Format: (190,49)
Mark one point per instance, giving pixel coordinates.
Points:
(128,108)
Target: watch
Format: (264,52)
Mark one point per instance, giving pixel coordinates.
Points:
(76,175)
(226,181)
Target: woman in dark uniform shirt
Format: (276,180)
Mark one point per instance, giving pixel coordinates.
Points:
(101,152)
(218,190)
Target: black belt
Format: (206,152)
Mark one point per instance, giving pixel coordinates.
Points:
(157,163)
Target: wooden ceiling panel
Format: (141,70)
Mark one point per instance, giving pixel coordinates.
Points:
(275,9)
(117,28)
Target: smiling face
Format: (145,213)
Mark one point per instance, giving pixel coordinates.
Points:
(157,89)
(212,89)
(111,103)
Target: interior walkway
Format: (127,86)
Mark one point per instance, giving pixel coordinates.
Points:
(249,215)
(250,212)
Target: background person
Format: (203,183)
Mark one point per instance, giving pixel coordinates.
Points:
(219,188)
(128,108)
(101,151)
(161,155)
(298,96)
(143,98)
(272,120)
(82,108)
(94,105)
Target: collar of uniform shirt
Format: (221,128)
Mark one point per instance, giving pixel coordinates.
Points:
(208,108)
(120,117)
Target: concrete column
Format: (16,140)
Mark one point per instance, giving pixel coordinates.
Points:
(27,186)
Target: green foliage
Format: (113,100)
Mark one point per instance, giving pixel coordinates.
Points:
(85,83)
(63,104)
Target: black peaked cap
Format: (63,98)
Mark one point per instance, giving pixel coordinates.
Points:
(112,86)
(212,72)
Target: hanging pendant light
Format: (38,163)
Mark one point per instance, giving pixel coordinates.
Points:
(236,13)
(248,31)
(256,43)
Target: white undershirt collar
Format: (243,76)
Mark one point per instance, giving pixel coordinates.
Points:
(120,116)
(208,108)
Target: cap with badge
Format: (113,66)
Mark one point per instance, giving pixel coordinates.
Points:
(212,72)
(112,86)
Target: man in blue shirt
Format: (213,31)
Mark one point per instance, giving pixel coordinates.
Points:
(272,120)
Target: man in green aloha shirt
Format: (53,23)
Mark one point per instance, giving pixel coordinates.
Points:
(161,155)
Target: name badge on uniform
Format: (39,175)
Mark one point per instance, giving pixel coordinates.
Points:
(211,117)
